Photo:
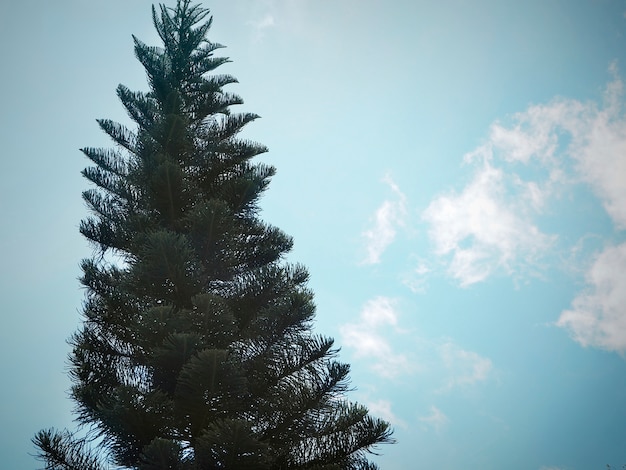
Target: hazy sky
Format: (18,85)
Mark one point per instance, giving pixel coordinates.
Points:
(453,174)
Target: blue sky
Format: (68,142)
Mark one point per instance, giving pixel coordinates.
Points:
(453,174)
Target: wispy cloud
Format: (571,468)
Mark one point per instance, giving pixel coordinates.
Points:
(382,409)
(436,420)
(599,147)
(493,223)
(367,340)
(485,228)
(598,315)
(261,25)
(266,22)
(417,279)
(592,135)
(291,18)
(465,368)
(447,363)
(387,218)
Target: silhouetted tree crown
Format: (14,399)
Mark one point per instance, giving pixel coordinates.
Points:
(196,350)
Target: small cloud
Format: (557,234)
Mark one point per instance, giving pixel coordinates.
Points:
(436,420)
(367,340)
(261,25)
(387,218)
(378,312)
(417,279)
(483,228)
(266,22)
(598,315)
(465,368)
(382,409)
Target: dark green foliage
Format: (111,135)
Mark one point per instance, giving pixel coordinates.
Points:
(61,450)
(196,351)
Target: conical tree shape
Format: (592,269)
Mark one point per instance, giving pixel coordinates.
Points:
(196,350)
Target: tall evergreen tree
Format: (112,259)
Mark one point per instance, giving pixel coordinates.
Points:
(196,349)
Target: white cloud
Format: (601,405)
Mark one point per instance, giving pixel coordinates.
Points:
(292,19)
(492,224)
(533,134)
(598,315)
(440,361)
(390,215)
(379,311)
(416,280)
(266,22)
(261,25)
(367,340)
(600,150)
(482,229)
(464,367)
(382,409)
(435,420)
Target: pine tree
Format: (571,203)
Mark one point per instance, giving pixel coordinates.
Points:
(196,350)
